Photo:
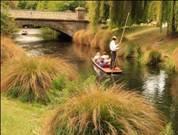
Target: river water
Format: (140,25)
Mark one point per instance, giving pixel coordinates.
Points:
(156,85)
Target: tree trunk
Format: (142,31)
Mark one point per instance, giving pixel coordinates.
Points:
(174,18)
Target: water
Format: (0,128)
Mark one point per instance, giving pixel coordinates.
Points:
(155,84)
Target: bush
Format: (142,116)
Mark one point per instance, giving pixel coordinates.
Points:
(132,51)
(99,111)
(154,58)
(8,25)
(30,78)
(9,50)
(63,88)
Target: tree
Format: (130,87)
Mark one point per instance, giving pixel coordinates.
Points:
(7,24)
(137,12)
(118,12)
(94,13)
(104,10)
(168,15)
(154,11)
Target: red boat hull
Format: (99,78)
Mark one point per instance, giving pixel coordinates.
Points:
(107,70)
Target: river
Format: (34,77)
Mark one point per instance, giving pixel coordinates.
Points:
(155,84)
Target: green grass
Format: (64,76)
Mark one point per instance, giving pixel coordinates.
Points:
(19,118)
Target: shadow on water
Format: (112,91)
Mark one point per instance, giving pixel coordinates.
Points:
(155,84)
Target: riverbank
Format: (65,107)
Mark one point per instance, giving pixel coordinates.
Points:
(144,44)
(151,41)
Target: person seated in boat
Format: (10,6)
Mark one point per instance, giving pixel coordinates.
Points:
(104,62)
(107,59)
(97,56)
(101,62)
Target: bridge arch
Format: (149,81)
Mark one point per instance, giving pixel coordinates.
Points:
(67,23)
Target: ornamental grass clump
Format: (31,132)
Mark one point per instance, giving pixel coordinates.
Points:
(9,50)
(30,78)
(99,111)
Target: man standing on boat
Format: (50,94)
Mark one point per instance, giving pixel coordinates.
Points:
(113,48)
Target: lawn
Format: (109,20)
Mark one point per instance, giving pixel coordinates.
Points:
(20,118)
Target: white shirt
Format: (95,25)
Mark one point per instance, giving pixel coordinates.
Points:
(113,46)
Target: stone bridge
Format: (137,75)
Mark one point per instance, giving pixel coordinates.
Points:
(66,22)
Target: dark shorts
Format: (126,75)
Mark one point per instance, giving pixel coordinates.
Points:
(113,58)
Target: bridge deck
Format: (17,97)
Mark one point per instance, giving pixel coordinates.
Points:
(23,14)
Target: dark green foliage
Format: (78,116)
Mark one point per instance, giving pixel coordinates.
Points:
(114,13)
(137,12)
(23,4)
(62,87)
(104,11)
(7,24)
(59,83)
(50,5)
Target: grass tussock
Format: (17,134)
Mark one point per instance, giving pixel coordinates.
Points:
(99,111)
(99,40)
(9,50)
(30,78)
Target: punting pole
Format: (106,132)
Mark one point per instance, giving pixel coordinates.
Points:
(121,38)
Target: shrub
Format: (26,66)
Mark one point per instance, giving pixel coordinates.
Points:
(9,50)
(99,111)
(62,87)
(154,58)
(132,51)
(8,25)
(30,78)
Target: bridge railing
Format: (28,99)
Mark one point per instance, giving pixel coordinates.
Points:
(43,15)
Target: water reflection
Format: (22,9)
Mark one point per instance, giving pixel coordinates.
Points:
(154,85)
(33,35)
